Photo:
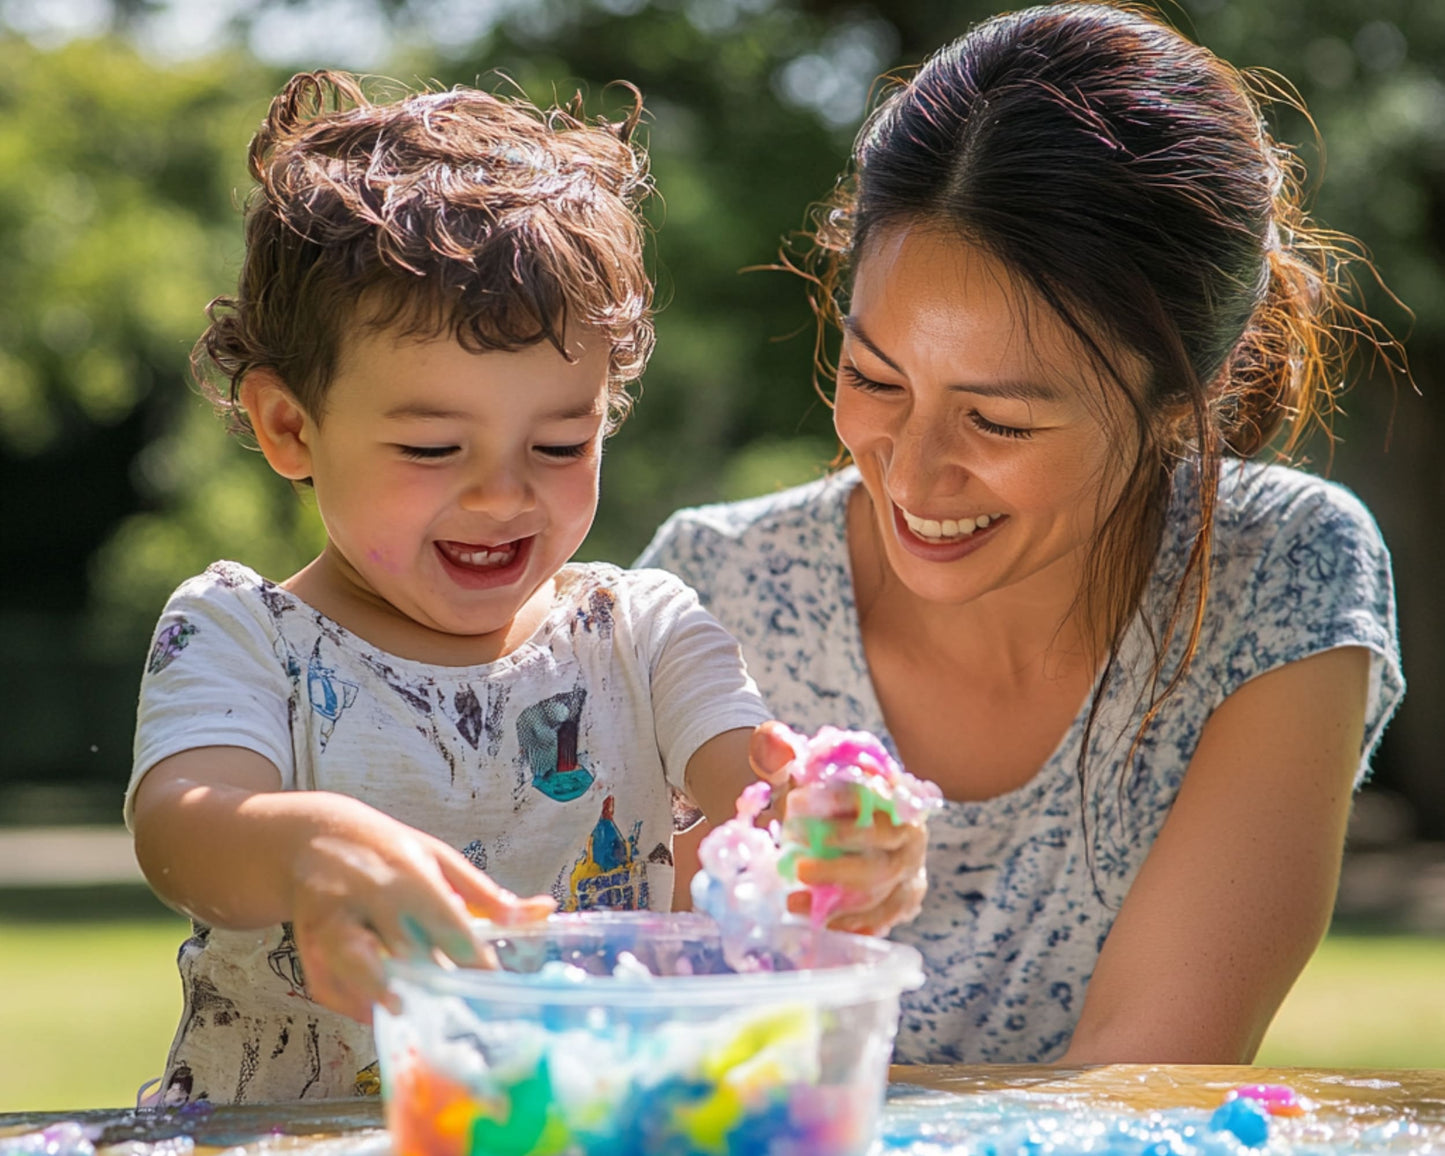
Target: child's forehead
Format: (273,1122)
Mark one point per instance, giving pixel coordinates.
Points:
(404,340)
(404,374)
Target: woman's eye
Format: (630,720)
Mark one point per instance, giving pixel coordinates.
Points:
(848,375)
(427,453)
(564,452)
(992,427)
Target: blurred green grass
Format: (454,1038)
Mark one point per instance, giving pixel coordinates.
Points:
(87,1008)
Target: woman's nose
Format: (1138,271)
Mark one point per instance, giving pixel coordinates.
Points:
(925,458)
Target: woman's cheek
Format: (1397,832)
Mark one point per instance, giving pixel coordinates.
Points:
(852,422)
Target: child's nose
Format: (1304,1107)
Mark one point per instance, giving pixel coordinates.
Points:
(500,490)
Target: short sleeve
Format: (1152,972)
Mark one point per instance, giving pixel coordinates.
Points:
(1319,579)
(700,684)
(213,678)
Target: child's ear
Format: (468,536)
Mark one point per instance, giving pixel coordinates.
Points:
(283,427)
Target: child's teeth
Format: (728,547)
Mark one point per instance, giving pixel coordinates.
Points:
(484,557)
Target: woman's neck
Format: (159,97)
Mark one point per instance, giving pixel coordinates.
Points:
(1013,634)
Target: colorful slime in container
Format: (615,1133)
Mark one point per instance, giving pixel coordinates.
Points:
(616,1037)
(747,873)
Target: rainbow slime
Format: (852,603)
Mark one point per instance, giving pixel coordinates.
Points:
(836,777)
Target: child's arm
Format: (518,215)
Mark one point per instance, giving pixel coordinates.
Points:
(218,839)
(882,870)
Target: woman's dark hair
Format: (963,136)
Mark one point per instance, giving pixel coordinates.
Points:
(1126,176)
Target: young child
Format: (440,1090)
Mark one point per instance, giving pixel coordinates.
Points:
(441,302)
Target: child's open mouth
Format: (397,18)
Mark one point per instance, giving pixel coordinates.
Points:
(476,564)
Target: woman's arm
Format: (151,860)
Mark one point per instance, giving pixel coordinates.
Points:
(1237,891)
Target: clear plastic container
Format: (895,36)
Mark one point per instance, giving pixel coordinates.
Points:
(694,1058)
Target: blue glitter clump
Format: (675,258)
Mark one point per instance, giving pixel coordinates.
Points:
(1246,1120)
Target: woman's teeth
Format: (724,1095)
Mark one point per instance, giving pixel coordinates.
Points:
(947,529)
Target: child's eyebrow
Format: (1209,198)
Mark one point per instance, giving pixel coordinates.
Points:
(418,409)
(421,410)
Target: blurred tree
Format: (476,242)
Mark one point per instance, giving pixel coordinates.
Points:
(117,220)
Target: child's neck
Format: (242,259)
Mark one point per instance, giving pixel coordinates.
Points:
(329,585)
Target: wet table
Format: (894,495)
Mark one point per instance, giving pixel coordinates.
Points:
(931,1109)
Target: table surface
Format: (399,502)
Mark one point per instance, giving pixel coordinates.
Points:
(1363,1097)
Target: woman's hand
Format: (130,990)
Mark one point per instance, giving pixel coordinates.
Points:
(378,888)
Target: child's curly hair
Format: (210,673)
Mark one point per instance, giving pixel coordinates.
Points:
(443,211)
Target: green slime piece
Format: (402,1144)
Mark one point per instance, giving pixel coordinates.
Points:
(816,831)
(531,1127)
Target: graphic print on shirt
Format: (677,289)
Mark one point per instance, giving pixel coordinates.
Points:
(596,614)
(285,962)
(611,874)
(547,733)
(169,644)
(328,692)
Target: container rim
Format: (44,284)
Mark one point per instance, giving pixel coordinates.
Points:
(890,968)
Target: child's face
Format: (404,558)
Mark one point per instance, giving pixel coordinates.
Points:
(452,484)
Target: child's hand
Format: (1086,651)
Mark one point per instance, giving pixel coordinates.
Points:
(372,887)
(878,878)
(878,873)
(770,749)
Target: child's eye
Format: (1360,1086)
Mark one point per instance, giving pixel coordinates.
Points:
(992,427)
(427,453)
(848,375)
(575,451)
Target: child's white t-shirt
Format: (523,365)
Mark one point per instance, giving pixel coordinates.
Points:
(553,769)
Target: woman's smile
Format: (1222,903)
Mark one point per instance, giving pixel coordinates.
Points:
(954,539)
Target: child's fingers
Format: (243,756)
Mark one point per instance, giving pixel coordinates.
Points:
(770,750)
(344,970)
(871,872)
(882,834)
(901,905)
(485,897)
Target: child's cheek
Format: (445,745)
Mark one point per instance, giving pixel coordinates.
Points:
(381,558)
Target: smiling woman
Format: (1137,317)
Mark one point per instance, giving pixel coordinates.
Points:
(1077,294)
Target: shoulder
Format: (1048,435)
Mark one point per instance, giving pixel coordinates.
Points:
(802,521)
(226,611)
(1298,566)
(226,592)
(1264,499)
(585,587)
(1276,525)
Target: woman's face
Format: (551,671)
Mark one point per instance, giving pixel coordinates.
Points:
(980,425)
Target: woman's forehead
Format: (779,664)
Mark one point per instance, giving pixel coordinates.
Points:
(931,297)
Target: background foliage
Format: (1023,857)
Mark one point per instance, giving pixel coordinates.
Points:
(122,138)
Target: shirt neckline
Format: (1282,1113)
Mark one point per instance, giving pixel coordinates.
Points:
(525,652)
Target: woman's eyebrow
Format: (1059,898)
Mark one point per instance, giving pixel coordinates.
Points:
(1018,390)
